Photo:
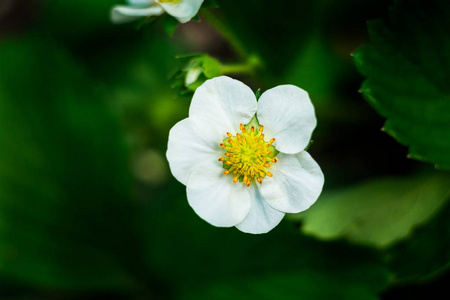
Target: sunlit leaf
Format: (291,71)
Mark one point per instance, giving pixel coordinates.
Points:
(379,212)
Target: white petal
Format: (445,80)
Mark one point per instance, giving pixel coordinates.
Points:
(186,151)
(219,106)
(123,14)
(183,10)
(141,3)
(296,183)
(262,217)
(288,116)
(214,196)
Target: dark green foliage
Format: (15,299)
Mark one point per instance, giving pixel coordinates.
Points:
(426,253)
(210,3)
(230,264)
(170,24)
(407,66)
(72,21)
(67,221)
(64,206)
(75,224)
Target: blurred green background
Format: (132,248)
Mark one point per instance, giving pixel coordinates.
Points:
(89,209)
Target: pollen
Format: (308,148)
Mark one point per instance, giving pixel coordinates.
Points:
(248,156)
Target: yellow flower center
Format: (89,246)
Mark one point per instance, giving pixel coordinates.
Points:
(248,156)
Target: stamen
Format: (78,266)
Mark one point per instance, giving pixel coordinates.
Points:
(247,156)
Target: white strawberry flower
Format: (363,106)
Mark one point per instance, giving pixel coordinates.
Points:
(182,10)
(238,172)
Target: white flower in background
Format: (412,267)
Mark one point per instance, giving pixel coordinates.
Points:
(238,172)
(182,10)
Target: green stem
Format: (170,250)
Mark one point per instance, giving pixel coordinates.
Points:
(226,33)
(237,69)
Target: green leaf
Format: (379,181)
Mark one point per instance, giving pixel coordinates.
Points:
(211,67)
(426,253)
(65,217)
(197,69)
(407,66)
(379,212)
